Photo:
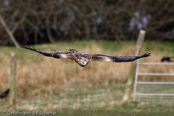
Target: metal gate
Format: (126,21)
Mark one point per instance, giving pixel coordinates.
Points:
(153,91)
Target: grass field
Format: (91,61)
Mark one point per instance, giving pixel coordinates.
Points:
(128,109)
(45,84)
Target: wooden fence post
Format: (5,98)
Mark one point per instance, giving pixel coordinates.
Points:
(131,78)
(13,80)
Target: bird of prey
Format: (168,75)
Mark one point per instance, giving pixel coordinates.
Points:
(168,59)
(84,59)
(5,94)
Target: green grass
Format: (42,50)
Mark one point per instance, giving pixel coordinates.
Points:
(123,110)
(129,109)
(159,46)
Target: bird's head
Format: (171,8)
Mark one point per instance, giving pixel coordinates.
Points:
(82,62)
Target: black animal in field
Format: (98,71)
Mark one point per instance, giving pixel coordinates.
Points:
(4,94)
(167,59)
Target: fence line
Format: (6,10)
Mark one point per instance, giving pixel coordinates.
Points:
(153,88)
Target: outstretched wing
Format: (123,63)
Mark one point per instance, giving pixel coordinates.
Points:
(55,55)
(99,57)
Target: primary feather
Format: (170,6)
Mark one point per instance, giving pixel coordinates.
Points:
(55,55)
(99,57)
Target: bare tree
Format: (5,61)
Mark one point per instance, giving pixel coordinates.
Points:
(48,21)
(8,32)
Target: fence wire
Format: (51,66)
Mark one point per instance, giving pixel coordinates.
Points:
(69,90)
(154,87)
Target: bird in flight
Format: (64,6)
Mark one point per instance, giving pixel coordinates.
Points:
(84,59)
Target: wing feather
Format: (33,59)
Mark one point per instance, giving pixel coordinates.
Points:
(55,55)
(99,57)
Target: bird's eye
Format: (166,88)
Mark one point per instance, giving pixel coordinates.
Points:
(83,63)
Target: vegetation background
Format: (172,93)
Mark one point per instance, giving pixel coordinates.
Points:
(44,21)
(106,27)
